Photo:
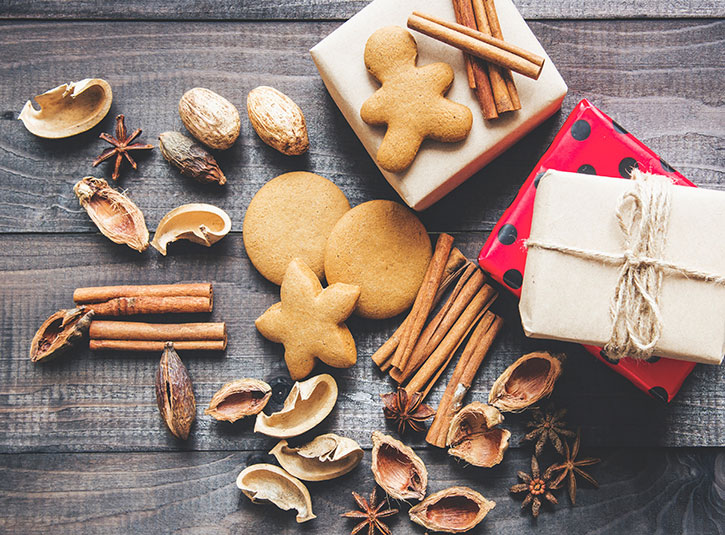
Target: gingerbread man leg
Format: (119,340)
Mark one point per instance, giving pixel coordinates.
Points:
(398,149)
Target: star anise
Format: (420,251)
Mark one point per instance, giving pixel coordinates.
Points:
(570,467)
(121,147)
(371,513)
(536,486)
(407,411)
(548,426)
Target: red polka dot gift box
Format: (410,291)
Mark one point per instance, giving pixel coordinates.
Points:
(589,142)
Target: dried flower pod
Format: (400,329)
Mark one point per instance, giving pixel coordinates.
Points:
(278,120)
(210,118)
(190,158)
(237,399)
(474,438)
(68,109)
(526,381)
(308,403)
(119,219)
(200,223)
(452,510)
(326,457)
(397,469)
(269,483)
(59,333)
(174,393)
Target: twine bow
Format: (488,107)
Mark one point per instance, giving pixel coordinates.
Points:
(643,216)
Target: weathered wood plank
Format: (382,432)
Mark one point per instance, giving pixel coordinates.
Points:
(633,70)
(334,9)
(106,402)
(642,491)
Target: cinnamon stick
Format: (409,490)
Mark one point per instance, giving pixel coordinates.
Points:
(470,361)
(157,345)
(423,301)
(133,330)
(495,26)
(126,306)
(466,58)
(98,294)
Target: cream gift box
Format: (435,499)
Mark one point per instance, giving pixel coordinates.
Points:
(439,167)
(565,297)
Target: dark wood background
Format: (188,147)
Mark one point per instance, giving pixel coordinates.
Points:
(82,448)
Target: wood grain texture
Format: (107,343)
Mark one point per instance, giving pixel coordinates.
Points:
(631,69)
(667,491)
(335,9)
(62,406)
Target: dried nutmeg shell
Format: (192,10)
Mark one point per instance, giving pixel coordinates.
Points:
(200,223)
(526,381)
(59,333)
(453,510)
(115,215)
(278,120)
(190,158)
(269,483)
(474,437)
(237,399)
(210,118)
(326,457)
(397,469)
(174,393)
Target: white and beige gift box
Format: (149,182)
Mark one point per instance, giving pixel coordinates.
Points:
(438,167)
(566,297)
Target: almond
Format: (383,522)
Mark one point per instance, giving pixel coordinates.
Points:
(210,118)
(278,120)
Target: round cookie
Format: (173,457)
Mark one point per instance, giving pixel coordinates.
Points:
(291,216)
(383,248)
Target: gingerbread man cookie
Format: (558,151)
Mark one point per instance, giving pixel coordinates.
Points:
(410,100)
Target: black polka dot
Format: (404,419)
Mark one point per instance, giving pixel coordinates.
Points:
(604,355)
(652,360)
(587,169)
(580,130)
(618,128)
(507,234)
(513,278)
(667,167)
(626,166)
(538,179)
(659,393)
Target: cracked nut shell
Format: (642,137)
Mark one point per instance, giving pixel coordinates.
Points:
(326,457)
(397,469)
(526,381)
(59,333)
(452,510)
(269,483)
(237,399)
(474,437)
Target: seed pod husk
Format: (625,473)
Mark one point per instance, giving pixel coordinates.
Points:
(59,333)
(452,510)
(326,457)
(269,483)
(397,469)
(200,223)
(190,158)
(237,399)
(210,118)
(278,120)
(175,394)
(526,381)
(115,215)
(474,437)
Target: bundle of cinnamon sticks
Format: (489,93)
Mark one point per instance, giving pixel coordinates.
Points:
(113,301)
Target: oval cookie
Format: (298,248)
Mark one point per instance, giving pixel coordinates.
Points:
(383,248)
(291,216)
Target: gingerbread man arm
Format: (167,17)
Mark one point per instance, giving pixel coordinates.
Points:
(374,109)
(454,124)
(438,75)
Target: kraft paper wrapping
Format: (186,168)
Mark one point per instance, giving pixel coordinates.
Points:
(439,167)
(567,298)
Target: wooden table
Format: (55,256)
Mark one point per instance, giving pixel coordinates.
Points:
(83,449)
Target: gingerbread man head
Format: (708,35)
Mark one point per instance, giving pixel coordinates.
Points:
(410,100)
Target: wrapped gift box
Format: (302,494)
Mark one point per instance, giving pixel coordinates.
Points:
(589,142)
(438,167)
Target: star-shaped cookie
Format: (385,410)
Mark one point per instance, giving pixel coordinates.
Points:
(309,321)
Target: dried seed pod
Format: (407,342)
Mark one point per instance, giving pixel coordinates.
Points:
(174,393)
(474,438)
(397,469)
(210,118)
(240,398)
(326,457)
(269,483)
(59,333)
(526,381)
(68,109)
(119,219)
(278,120)
(190,158)
(453,510)
(308,403)
(200,223)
